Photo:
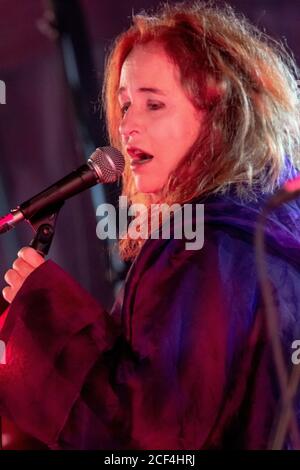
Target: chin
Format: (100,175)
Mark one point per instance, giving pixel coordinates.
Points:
(147,187)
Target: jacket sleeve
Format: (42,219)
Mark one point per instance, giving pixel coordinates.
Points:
(54,334)
(169,381)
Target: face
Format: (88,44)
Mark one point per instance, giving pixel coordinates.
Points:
(159,122)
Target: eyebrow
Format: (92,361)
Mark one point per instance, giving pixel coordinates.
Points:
(157,91)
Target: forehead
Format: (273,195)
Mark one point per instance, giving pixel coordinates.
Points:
(148,65)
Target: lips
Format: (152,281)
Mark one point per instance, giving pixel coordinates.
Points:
(138,156)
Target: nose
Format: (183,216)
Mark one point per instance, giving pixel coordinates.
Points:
(130,125)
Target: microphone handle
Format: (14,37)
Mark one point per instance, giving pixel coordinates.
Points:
(80,179)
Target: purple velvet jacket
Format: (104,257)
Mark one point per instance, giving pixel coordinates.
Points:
(181,362)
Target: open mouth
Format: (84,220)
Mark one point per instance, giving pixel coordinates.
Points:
(138,156)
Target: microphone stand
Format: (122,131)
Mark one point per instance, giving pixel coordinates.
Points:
(43,224)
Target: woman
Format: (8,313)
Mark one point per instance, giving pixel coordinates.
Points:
(204,108)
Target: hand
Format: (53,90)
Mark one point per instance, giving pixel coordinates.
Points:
(28,260)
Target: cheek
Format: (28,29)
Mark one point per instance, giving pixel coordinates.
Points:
(167,130)
(180,133)
(191,125)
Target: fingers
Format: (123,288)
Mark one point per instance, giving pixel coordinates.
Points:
(8,294)
(22,267)
(15,281)
(13,278)
(31,256)
(28,260)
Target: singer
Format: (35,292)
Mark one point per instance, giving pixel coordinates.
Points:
(205,109)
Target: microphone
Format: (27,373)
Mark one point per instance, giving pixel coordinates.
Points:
(105,165)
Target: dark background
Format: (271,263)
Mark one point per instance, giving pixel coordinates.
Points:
(51,121)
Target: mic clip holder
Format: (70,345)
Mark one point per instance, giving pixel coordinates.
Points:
(43,223)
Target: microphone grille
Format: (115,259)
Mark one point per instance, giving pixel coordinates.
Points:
(108,163)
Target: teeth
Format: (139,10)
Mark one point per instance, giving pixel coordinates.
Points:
(143,158)
(140,162)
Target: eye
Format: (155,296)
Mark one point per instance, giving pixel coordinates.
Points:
(155,105)
(124,108)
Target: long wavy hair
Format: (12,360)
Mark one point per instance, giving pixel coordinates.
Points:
(246,83)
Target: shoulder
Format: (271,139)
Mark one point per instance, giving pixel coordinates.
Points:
(220,246)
